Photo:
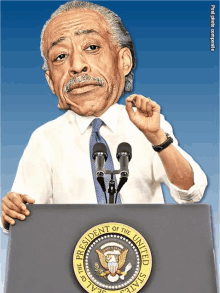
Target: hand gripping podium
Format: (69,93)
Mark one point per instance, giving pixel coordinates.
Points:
(109,258)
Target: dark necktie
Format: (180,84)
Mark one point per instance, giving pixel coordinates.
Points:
(96,137)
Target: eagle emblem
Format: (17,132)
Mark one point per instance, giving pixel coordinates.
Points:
(112,257)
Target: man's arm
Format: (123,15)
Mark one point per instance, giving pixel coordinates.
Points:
(33,178)
(178,170)
(147,119)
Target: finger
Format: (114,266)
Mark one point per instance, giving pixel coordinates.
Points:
(140,102)
(12,213)
(8,219)
(17,200)
(137,100)
(130,98)
(27,198)
(23,198)
(149,107)
(155,107)
(10,204)
(143,107)
(129,108)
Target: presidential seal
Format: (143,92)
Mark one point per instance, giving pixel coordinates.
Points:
(112,257)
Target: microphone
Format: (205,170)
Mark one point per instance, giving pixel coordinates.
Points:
(99,155)
(124,156)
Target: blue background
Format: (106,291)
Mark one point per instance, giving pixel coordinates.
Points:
(175,67)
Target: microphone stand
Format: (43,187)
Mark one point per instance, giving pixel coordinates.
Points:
(112,189)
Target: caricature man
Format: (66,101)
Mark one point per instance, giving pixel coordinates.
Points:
(88,62)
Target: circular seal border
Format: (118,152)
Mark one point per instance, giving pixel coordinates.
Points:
(105,229)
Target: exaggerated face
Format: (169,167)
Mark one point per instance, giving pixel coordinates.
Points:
(86,68)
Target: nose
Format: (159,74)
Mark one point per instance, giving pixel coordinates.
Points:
(78,64)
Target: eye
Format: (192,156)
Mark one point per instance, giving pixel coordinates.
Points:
(92,48)
(60,57)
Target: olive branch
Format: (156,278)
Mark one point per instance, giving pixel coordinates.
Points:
(98,271)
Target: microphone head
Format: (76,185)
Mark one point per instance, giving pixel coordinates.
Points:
(99,147)
(124,147)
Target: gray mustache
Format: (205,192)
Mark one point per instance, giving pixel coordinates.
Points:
(79,79)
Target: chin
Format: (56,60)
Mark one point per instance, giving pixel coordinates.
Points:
(87,105)
(92,110)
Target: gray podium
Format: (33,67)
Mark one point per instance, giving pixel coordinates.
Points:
(41,248)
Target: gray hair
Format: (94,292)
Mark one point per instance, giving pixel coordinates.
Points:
(119,32)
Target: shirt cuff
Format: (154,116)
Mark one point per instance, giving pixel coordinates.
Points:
(186,196)
(6,231)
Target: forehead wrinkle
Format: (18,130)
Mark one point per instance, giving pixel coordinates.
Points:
(76,33)
(67,26)
(66,30)
(84,32)
(70,24)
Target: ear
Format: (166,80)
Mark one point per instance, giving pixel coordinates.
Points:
(49,81)
(125,60)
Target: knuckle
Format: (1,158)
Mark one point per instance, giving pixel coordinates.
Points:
(12,196)
(6,217)
(23,196)
(15,197)
(6,210)
(4,198)
(10,205)
(10,220)
(27,198)
(13,214)
(9,194)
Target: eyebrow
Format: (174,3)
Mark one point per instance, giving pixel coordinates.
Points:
(77,33)
(56,42)
(86,32)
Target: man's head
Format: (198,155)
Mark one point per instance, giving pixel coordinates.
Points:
(88,57)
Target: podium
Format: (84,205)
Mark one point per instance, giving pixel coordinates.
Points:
(40,249)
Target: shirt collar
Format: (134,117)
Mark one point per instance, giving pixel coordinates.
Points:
(109,117)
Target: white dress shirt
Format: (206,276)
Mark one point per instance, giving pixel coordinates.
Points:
(56,168)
